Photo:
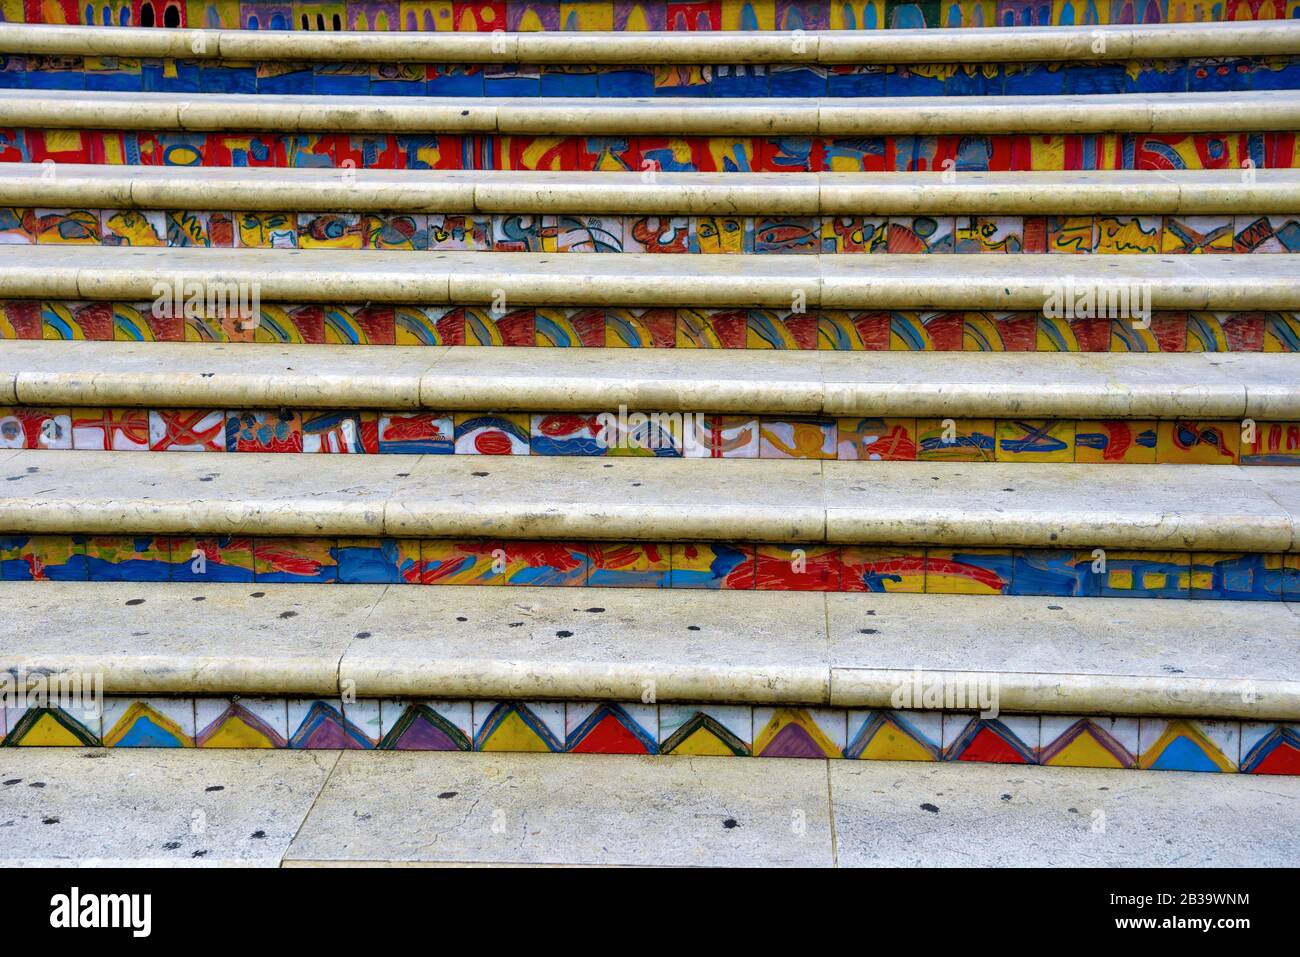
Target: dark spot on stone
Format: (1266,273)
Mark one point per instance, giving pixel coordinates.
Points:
(932,808)
(868,631)
(480,474)
(215,787)
(1008,490)
(403,474)
(171,845)
(362,634)
(199,598)
(464,112)
(446,794)
(730,822)
(135,601)
(461,618)
(1073,810)
(288,614)
(516,624)
(49,820)
(199,854)
(1006,797)
(1170,669)
(564,634)
(1052,537)
(636,484)
(257,594)
(258,835)
(37,784)
(13,781)
(205,478)
(1055,608)
(692,627)
(607,466)
(596,610)
(871,611)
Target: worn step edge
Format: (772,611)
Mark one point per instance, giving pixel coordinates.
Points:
(982,45)
(467,378)
(843,281)
(754,648)
(1114,192)
(1247,509)
(1263,110)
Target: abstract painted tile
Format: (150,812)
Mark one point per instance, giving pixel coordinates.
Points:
(894,736)
(724,566)
(711,729)
(797,437)
(493,434)
(462,563)
(955,440)
(1237,577)
(1270,748)
(37,726)
(1179,744)
(120,558)
(799,732)
(391,561)
(187,430)
(628,565)
(121,430)
(968,571)
(1009,739)
(148,723)
(1089,742)
(1190,442)
(868,568)
(219,559)
(319,724)
(242,722)
(1035,441)
(798,568)
(876,440)
(610,728)
(412,724)
(546,563)
(519,726)
(295,560)
(249,431)
(721,436)
(1273,443)
(1115,440)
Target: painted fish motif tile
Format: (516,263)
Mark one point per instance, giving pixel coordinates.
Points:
(503,433)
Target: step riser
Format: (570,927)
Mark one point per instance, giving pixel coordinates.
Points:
(1246,233)
(670,153)
(1148,743)
(773,79)
(660,435)
(710,565)
(658,328)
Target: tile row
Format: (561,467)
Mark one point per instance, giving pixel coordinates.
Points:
(123,74)
(557,326)
(719,154)
(486,16)
(1147,743)
(659,434)
(590,233)
(710,565)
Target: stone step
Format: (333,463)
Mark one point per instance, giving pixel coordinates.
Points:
(1050,656)
(46,373)
(987,505)
(1091,43)
(328,808)
(972,193)
(1116,286)
(1218,112)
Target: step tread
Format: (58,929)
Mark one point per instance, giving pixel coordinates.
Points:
(1054,655)
(991,44)
(839,281)
(593,116)
(306,189)
(1234,508)
(330,807)
(469,378)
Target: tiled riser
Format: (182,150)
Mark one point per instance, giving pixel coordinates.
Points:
(756,80)
(859,438)
(484,16)
(1255,233)
(968,152)
(902,331)
(722,730)
(694,565)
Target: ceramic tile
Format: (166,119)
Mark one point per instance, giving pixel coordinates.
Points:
(895,735)
(519,726)
(628,565)
(722,566)
(968,571)
(798,568)
(1009,739)
(870,568)
(417,724)
(148,722)
(1115,440)
(1089,742)
(241,722)
(712,729)
(1188,745)
(609,728)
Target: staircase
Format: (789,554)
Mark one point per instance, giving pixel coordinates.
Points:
(880,381)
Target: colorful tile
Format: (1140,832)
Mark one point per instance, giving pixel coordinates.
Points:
(1035,441)
(609,728)
(426,725)
(1088,742)
(1010,739)
(462,563)
(1237,577)
(723,566)
(894,736)
(1180,744)
(519,726)
(712,729)
(1191,442)
(968,571)
(1115,440)
(241,722)
(392,561)
(798,568)
(870,568)
(955,440)
(628,565)
(546,563)
(876,440)
(501,433)
(797,437)
(148,723)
